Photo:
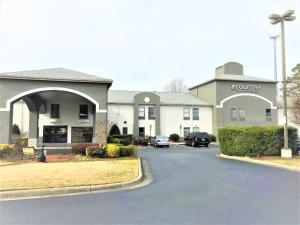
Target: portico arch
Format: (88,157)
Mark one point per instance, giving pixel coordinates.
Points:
(245,94)
(25,93)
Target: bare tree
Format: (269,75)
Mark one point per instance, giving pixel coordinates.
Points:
(102,129)
(176,85)
(293,91)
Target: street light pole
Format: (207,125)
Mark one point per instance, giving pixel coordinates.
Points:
(276,18)
(286,140)
(274,38)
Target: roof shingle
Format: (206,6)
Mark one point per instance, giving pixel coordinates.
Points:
(55,74)
(166,98)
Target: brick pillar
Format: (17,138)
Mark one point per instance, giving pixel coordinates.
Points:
(33,129)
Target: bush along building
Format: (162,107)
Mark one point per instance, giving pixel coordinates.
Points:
(60,106)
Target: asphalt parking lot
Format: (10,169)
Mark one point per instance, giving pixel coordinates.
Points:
(190,186)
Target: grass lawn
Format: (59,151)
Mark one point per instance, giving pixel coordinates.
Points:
(295,161)
(60,174)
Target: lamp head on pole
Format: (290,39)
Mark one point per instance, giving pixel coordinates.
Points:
(287,16)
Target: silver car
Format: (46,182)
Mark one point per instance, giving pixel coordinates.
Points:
(160,140)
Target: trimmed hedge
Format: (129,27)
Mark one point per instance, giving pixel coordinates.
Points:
(212,138)
(16,129)
(255,141)
(129,150)
(174,137)
(122,136)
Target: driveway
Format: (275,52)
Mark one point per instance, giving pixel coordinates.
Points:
(190,186)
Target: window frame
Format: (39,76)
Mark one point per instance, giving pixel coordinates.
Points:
(233,114)
(241,111)
(198,112)
(154,112)
(53,114)
(268,115)
(125,129)
(87,113)
(186,110)
(139,111)
(189,131)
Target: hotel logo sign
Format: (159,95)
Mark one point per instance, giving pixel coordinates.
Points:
(246,87)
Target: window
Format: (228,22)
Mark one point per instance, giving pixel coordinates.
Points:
(268,114)
(83,111)
(55,134)
(151,113)
(195,113)
(233,115)
(141,113)
(186,113)
(54,111)
(82,134)
(125,130)
(237,114)
(242,114)
(186,131)
(196,129)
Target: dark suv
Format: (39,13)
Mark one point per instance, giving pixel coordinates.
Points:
(197,139)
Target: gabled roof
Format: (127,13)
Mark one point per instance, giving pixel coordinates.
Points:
(166,98)
(55,74)
(238,78)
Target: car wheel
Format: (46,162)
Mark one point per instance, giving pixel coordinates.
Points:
(206,145)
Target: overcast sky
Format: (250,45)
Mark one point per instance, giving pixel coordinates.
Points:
(141,44)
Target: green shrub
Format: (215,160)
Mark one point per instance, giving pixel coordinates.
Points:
(16,129)
(129,150)
(125,142)
(22,141)
(212,138)
(116,141)
(254,141)
(122,136)
(109,139)
(174,137)
(112,151)
(98,153)
(8,151)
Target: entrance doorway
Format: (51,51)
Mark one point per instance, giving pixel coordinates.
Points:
(141,131)
(55,134)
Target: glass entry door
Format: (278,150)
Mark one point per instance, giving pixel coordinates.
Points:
(55,134)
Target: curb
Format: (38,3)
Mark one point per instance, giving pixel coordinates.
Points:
(249,160)
(140,181)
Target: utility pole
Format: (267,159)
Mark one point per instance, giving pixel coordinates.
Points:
(274,38)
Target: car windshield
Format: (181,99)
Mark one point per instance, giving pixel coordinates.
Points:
(162,137)
(202,135)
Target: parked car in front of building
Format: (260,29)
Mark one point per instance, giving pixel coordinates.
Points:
(197,139)
(160,141)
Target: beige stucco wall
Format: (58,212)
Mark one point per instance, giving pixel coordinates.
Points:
(21,117)
(118,114)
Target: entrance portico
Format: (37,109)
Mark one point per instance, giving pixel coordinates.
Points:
(65,106)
